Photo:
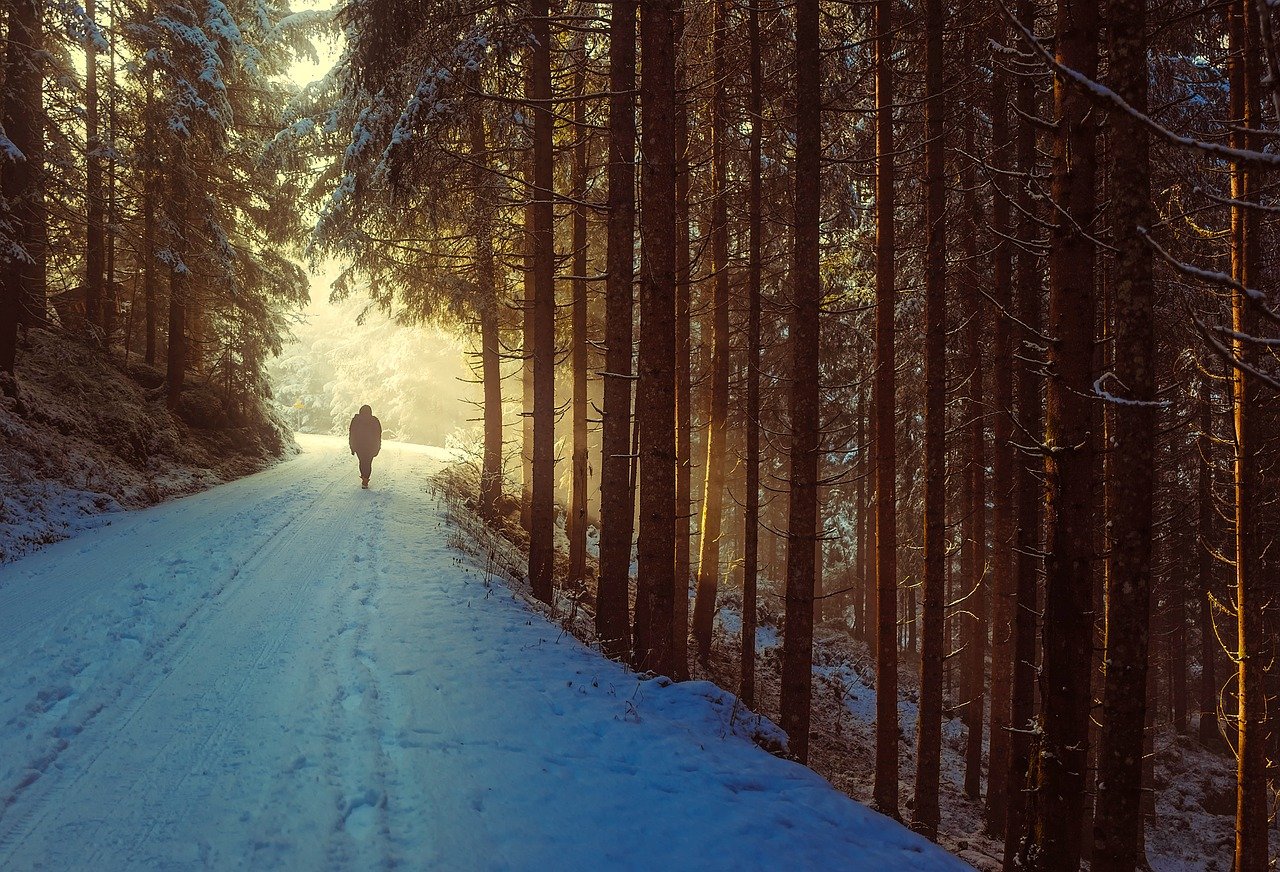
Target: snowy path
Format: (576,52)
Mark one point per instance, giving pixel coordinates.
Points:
(289,672)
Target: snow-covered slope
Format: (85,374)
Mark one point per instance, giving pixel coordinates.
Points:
(289,672)
(91,435)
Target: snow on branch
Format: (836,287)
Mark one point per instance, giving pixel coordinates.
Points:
(1105,395)
(1106,95)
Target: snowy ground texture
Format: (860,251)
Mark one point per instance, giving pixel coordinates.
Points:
(289,672)
(90,436)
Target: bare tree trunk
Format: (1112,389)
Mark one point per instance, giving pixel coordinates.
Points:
(542,510)
(617,503)
(718,415)
(490,359)
(1004,592)
(22,113)
(751,531)
(797,648)
(655,398)
(885,790)
(94,248)
(684,346)
(975,530)
(576,522)
(929,723)
(1118,820)
(1062,755)
(1027,497)
(1209,734)
(176,361)
(1250,654)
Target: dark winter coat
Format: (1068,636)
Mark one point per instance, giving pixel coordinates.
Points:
(365,436)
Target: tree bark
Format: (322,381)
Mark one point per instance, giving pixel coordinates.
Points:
(1069,468)
(718,415)
(933,605)
(1118,819)
(176,354)
(885,790)
(751,511)
(22,112)
(1209,734)
(1251,655)
(655,398)
(576,526)
(684,392)
(490,358)
(1027,532)
(542,501)
(1004,591)
(797,647)
(617,504)
(94,249)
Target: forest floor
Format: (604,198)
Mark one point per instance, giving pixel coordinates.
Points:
(1191,829)
(90,435)
(290,672)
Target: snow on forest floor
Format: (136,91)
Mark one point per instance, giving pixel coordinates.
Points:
(290,672)
(90,436)
(1191,831)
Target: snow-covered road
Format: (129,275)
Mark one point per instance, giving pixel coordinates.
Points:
(289,672)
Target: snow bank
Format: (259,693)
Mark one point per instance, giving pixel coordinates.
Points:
(89,436)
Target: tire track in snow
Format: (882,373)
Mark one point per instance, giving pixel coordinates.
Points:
(37,792)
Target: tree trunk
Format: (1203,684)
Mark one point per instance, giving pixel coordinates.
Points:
(797,647)
(576,522)
(21,181)
(751,511)
(1209,734)
(933,642)
(617,504)
(975,534)
(490,359)
(1069,466)
(1251,655)
(176,361)
(885,790)
(94,249)
(1027,529)
(718,414)
(542,501)
(1118,820)
(655,398)
(684,392)
(1003,588)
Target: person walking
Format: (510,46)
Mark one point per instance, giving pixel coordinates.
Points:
(365,439)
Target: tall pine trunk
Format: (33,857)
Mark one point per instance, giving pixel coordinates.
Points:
(576,522)
(684,392)
(176,355)
(1118,821)
(718,415)
(1250,587)
(1069,467)
(655,397)
(94,249)
(542,500)
(885,790)
(1027,496)
(751,511)
(22,113)
(490,357)
(933,642)
(617,504)
(797,647)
